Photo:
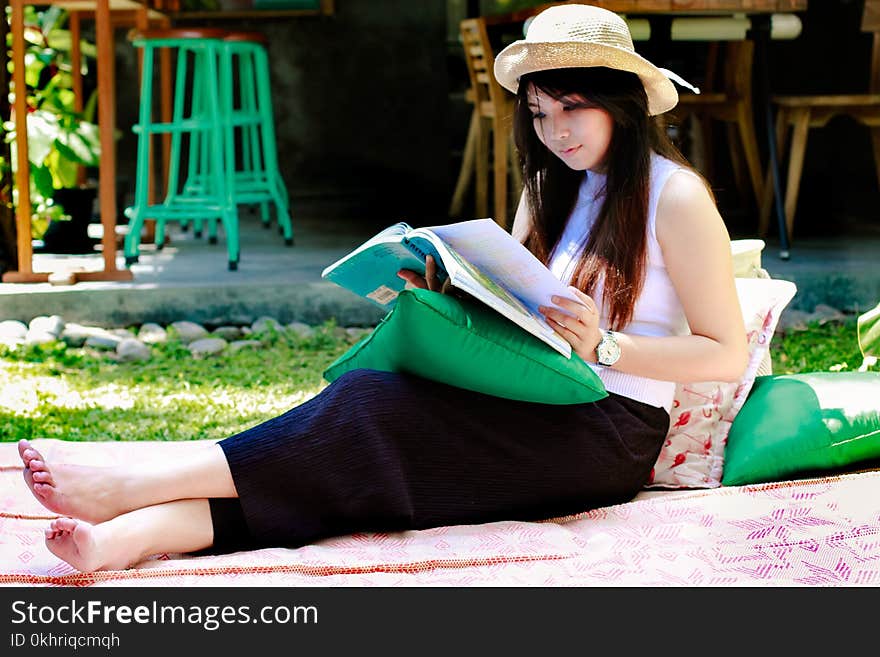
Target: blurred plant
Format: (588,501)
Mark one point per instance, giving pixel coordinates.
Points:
(869,338)
(60,139)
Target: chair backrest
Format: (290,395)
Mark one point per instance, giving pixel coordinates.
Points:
(735,59)
(489,97)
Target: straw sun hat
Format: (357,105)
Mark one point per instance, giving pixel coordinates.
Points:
(575,36)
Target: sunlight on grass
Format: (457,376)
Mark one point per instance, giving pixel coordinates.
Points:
(54,392)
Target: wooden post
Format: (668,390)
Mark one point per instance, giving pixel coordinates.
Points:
(23,174)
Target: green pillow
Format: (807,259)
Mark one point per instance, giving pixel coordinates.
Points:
(463,343)
(803,424)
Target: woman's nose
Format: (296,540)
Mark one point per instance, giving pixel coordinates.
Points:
(559,128)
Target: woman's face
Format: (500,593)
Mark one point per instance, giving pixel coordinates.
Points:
(574,130)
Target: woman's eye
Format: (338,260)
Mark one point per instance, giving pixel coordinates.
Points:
(576,106)
(538,115)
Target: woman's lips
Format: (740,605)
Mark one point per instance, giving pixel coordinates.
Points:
(570,151)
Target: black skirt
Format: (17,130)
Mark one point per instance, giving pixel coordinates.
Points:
(377,451)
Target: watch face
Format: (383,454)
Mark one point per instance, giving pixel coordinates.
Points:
(608,350)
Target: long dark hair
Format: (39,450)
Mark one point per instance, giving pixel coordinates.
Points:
(617,246)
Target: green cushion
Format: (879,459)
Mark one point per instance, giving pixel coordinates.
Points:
(804,424)
(463,343)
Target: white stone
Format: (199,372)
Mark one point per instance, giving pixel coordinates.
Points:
(44,324)
(75,335)
(228,333)
(265,324)
(207,347)
(133,349)
(151,333)
(105,341)
(793,320)
(302,330)
(238,345)
(39,337)
(189,331)
(825,313)
(12,330)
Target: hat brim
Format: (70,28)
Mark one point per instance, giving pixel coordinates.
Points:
(522,57)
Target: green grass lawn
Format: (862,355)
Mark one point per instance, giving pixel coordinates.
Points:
(58,392)
(53,392)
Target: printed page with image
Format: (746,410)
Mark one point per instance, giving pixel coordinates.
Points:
(478,257)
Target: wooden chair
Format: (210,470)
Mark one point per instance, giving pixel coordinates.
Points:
(731,103)
(804,112)
(491,119)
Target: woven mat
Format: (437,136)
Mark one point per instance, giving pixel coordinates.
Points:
(811,532)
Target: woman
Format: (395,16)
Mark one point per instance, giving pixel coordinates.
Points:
(610,207)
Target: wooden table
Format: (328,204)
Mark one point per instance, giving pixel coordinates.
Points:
(676,7)
(107,14)
(760,12)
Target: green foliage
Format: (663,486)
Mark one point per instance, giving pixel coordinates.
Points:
(51,391)
(60,139)
(869,333)
(829,347)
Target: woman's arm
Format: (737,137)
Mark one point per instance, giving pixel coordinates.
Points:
(696,249)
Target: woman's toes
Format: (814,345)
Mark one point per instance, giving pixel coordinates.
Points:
(42,490)
(42,477)
(64,524)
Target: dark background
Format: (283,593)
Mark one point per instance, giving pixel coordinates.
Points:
(371,117)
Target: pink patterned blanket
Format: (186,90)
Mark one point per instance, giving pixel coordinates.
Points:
(810,532)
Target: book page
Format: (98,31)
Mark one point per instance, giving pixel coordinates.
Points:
(371,270)
(494,252)
(391,235)
(474,280)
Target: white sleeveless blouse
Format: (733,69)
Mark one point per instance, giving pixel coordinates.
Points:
(658,310)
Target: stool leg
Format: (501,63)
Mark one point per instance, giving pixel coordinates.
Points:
(136,212)
(746,125)
(253,162)
(224,150)
(177,116)
(482,165)
(801,120)
(466,172)
(270,158)
(768,193)
(499,169)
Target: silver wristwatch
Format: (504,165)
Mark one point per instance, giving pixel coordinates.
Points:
(608,350)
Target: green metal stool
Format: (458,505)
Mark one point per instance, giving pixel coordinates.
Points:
(249,133)
(198,54)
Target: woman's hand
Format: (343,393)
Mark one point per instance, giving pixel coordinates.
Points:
(429,281)
(578,324)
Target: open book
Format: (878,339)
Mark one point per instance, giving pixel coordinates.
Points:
(478,257)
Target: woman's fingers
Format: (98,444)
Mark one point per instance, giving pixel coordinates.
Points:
(427,282)
(414,279)
(559,317)
(431,274)
(576,307)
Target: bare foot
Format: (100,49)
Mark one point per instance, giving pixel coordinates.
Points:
(85,492)
(85,546)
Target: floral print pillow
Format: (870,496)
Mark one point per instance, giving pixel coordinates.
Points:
(693,453)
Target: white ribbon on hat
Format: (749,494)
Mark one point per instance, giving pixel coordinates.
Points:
(675,77)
